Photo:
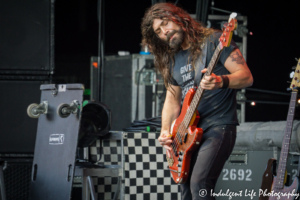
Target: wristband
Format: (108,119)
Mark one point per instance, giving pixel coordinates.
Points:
(225,82)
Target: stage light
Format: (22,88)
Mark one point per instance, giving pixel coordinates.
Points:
(252,103)
(299,101)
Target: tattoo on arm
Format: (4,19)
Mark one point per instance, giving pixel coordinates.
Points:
(237,58)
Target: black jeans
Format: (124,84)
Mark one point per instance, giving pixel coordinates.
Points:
(207,163)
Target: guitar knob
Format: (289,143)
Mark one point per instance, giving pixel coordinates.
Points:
(295,78)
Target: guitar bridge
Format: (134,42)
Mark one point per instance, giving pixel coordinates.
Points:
(174,171)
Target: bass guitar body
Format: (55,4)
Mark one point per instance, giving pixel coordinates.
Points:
(286,192)
(185,142)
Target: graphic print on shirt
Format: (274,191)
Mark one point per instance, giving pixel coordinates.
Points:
(187,75)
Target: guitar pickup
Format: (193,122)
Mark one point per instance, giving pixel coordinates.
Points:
(180,140)
(174,150)
(185,137)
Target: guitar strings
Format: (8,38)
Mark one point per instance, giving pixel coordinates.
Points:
(199,92)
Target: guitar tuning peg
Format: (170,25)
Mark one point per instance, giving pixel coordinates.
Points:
(226,24)
(289,82)
(297,59)
(294,67)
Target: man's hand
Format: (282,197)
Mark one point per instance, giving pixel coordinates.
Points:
(211,82)
(165,139)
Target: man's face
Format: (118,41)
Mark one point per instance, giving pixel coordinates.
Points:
(169,32)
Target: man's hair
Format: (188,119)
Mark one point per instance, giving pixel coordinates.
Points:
(163,54)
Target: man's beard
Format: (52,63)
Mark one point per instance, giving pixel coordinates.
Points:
(176,42)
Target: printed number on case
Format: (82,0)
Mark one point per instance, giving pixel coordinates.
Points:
(234,174)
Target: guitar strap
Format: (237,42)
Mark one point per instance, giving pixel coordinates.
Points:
(200,65)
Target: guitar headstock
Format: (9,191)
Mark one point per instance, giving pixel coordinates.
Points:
(296,78)
(228,29)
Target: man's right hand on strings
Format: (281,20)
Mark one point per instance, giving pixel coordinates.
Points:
(165,139)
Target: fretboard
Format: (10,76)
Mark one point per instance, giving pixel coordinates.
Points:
(199,92)
(286,142)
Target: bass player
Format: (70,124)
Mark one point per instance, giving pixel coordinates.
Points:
(177,41)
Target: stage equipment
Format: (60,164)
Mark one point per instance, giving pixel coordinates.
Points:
(146,172)
(257,136)
(18,131)
(64,110)
(58,136)
(243,172)
(107,176)
(120,89)
(15,177)
(145,157)
(27,37)
(35,110)
(26,62)
(202,11)
(256,142)
(95,123)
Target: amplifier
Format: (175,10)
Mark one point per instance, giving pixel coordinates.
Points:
(128,98)
(17,177)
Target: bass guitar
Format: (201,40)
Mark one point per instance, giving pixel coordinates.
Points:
(277,189)
(185,134)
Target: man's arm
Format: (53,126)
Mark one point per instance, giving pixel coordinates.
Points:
(170,112)
(239,77)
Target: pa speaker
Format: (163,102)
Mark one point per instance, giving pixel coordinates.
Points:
(26,35)
(18,131)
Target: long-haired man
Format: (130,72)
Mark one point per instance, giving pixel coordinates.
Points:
(177,42)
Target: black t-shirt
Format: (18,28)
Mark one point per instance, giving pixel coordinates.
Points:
(217,107)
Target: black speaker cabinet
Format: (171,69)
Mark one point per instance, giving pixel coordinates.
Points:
(18,131)
(17,176)
(119,89)
(27,35)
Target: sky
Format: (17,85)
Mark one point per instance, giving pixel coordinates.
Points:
(271,50)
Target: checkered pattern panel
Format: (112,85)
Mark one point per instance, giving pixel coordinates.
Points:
(111,152)
(146,172)
(105,187)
